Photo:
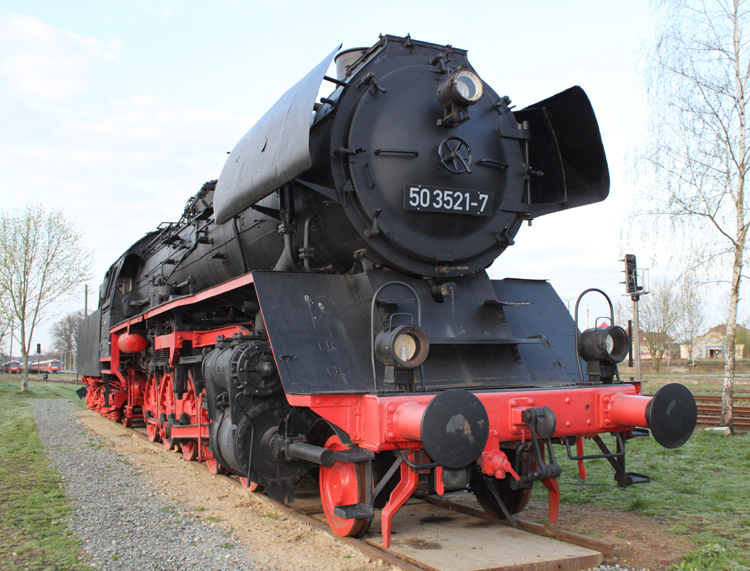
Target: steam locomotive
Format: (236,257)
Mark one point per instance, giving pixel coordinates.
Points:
(323,307)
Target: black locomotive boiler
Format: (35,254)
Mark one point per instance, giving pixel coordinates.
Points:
(323,307)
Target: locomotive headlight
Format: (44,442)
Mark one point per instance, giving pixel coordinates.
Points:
(608,344)
(460,90)
(467,87)
(405,346)
(463,88)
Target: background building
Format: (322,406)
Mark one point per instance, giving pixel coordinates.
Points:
(710,345)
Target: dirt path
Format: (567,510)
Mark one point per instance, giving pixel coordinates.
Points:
(640,542)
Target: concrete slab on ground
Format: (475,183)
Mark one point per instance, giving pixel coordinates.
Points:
(437,539)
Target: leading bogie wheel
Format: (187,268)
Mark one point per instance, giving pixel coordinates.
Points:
(251,486)
(343,484)
(514,500)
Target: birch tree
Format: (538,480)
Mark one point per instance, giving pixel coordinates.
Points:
(696,155)
(41,261)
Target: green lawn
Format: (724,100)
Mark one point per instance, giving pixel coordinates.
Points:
(702,490)
(65,389)
(33,505)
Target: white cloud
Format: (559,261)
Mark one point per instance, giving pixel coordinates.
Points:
(43,64)
(119,165)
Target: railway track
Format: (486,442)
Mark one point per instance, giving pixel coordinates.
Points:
(710,415)
(310,508)
(709,411)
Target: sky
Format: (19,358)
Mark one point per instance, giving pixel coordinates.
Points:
(118,111)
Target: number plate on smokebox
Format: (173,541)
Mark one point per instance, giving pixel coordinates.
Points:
(432,199)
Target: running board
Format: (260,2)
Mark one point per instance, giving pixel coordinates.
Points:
(354,511)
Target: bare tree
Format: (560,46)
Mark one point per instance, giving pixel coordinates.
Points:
(65,332)
(5,320)
(692,319)
(41,260)
(658,313)
(698,76)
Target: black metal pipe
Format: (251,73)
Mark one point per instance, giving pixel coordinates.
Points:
(311,453)
(287,228)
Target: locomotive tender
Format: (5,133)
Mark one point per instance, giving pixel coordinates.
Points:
(323,307)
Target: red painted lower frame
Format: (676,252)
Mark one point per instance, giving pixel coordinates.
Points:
(373,422)
(381,423)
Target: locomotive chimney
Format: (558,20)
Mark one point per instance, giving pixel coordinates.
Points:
(346,58)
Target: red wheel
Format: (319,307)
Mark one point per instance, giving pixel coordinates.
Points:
(150,409)
(340,485)
(166,439)
(214,467)
(252,486)
(189,403)
(190,408)
(153,432)
(189,449)
(166,407)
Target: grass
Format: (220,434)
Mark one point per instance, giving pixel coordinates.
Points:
(710,557)
(33,505)
(65,389)
(700,490)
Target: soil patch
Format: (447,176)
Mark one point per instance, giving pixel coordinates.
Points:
(640,542)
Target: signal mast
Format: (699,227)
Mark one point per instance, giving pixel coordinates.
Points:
(634,287)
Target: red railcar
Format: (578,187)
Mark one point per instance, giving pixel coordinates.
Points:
(48,366)
(12,367)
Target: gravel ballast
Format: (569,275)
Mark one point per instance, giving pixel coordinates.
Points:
(119,514)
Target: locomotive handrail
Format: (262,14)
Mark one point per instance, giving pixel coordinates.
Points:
(611,322)
(372,324)
(405,455)
(482,341)
(620,447)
